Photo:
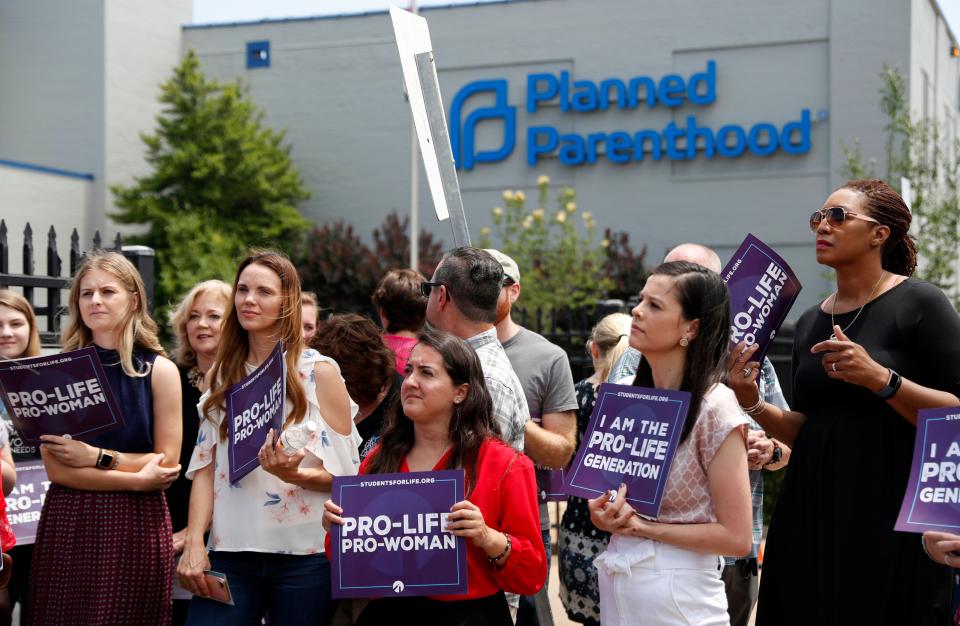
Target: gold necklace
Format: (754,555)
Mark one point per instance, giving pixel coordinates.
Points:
(833,307)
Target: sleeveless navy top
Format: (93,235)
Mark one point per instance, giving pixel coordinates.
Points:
(135,398)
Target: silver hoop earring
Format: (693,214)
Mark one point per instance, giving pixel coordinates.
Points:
(684,342)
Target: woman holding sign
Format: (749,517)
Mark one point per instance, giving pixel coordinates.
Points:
(882,346)
(668,571)
(266,531)
(447,423)
(19,338)
(104,549)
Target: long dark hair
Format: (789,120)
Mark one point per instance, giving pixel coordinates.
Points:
(234,344)
(472,422)
(703,296)
(886,206)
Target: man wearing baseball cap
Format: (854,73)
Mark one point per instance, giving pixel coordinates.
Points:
(550,435)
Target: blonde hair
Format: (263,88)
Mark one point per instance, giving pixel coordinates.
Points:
(18,303)
(185,355)
(611,335)
(229,368)
(138,327)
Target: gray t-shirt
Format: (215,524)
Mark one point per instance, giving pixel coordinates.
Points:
(544,373)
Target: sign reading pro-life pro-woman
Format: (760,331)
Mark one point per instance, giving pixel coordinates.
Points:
(762,289)
(394,540)
(932,499)
(631,438)
(59,394)
(254,406)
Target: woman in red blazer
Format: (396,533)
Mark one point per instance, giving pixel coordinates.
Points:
(447,423)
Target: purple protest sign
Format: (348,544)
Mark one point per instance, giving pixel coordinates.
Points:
(26,501)
(932,498)
(254,406)
(59,394)
(550,485)
(762,289)
(393,541)
(631,438)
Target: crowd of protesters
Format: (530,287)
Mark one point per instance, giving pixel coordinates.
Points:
(135,518)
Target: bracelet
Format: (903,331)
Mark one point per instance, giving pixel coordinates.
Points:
(116,459)
(506,549)
(756,409)
(923,544)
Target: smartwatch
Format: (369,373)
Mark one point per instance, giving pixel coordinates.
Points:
(106,459)
(777,455)
(893,385)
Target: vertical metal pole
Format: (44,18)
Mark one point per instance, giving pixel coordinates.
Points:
(414,186)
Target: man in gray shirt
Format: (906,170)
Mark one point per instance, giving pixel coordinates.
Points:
(550,435)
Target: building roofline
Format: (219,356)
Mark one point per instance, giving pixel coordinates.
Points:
(337,16)
(43,169)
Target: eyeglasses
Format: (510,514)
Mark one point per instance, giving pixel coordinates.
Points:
(425,288)
(835,215)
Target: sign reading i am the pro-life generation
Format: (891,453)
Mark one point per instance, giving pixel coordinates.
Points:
(394,540)
(762,289)
(254,406)
(26,501)
(932,498)
(631,438)
(59,394)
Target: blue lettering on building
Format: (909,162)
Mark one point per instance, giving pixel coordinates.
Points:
(677,141)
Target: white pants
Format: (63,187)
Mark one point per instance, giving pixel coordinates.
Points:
(644,582)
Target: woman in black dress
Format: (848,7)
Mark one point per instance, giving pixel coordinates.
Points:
(865,360)
(196,325)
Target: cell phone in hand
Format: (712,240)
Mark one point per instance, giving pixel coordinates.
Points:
(219,588)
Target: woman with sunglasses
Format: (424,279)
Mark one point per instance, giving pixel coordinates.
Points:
(865,360)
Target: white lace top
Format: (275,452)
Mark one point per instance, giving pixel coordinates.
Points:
(261,513)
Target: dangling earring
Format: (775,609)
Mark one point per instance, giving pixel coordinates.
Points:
(683,342)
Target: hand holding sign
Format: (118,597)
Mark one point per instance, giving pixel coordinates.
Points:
(466,520)
(848,361)
(69,451)
(942,547)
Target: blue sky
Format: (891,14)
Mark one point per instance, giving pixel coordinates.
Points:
(216,11)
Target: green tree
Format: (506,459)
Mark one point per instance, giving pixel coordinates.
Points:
(561,264)
(221,181)
(918,150)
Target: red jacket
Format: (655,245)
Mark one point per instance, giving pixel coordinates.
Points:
(506,493)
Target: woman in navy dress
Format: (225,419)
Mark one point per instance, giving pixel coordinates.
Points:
(104,548)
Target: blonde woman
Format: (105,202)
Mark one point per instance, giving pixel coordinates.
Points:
(196,324)
(104,549)
(19,338)
(581,541)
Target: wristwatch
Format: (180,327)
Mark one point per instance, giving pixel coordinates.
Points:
(777,454)
(106,459)
(893,385)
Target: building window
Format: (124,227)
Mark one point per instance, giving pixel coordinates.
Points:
(925,95)
(258,54)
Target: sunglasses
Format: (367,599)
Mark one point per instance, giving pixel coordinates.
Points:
(425,288)
(835,216)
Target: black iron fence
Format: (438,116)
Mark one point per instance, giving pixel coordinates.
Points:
(53,282)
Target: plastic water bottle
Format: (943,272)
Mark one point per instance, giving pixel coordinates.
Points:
(295,438)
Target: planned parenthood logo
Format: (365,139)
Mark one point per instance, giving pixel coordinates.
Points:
(462,132)
(684,139)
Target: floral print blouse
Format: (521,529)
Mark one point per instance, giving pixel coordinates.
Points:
(262,513)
